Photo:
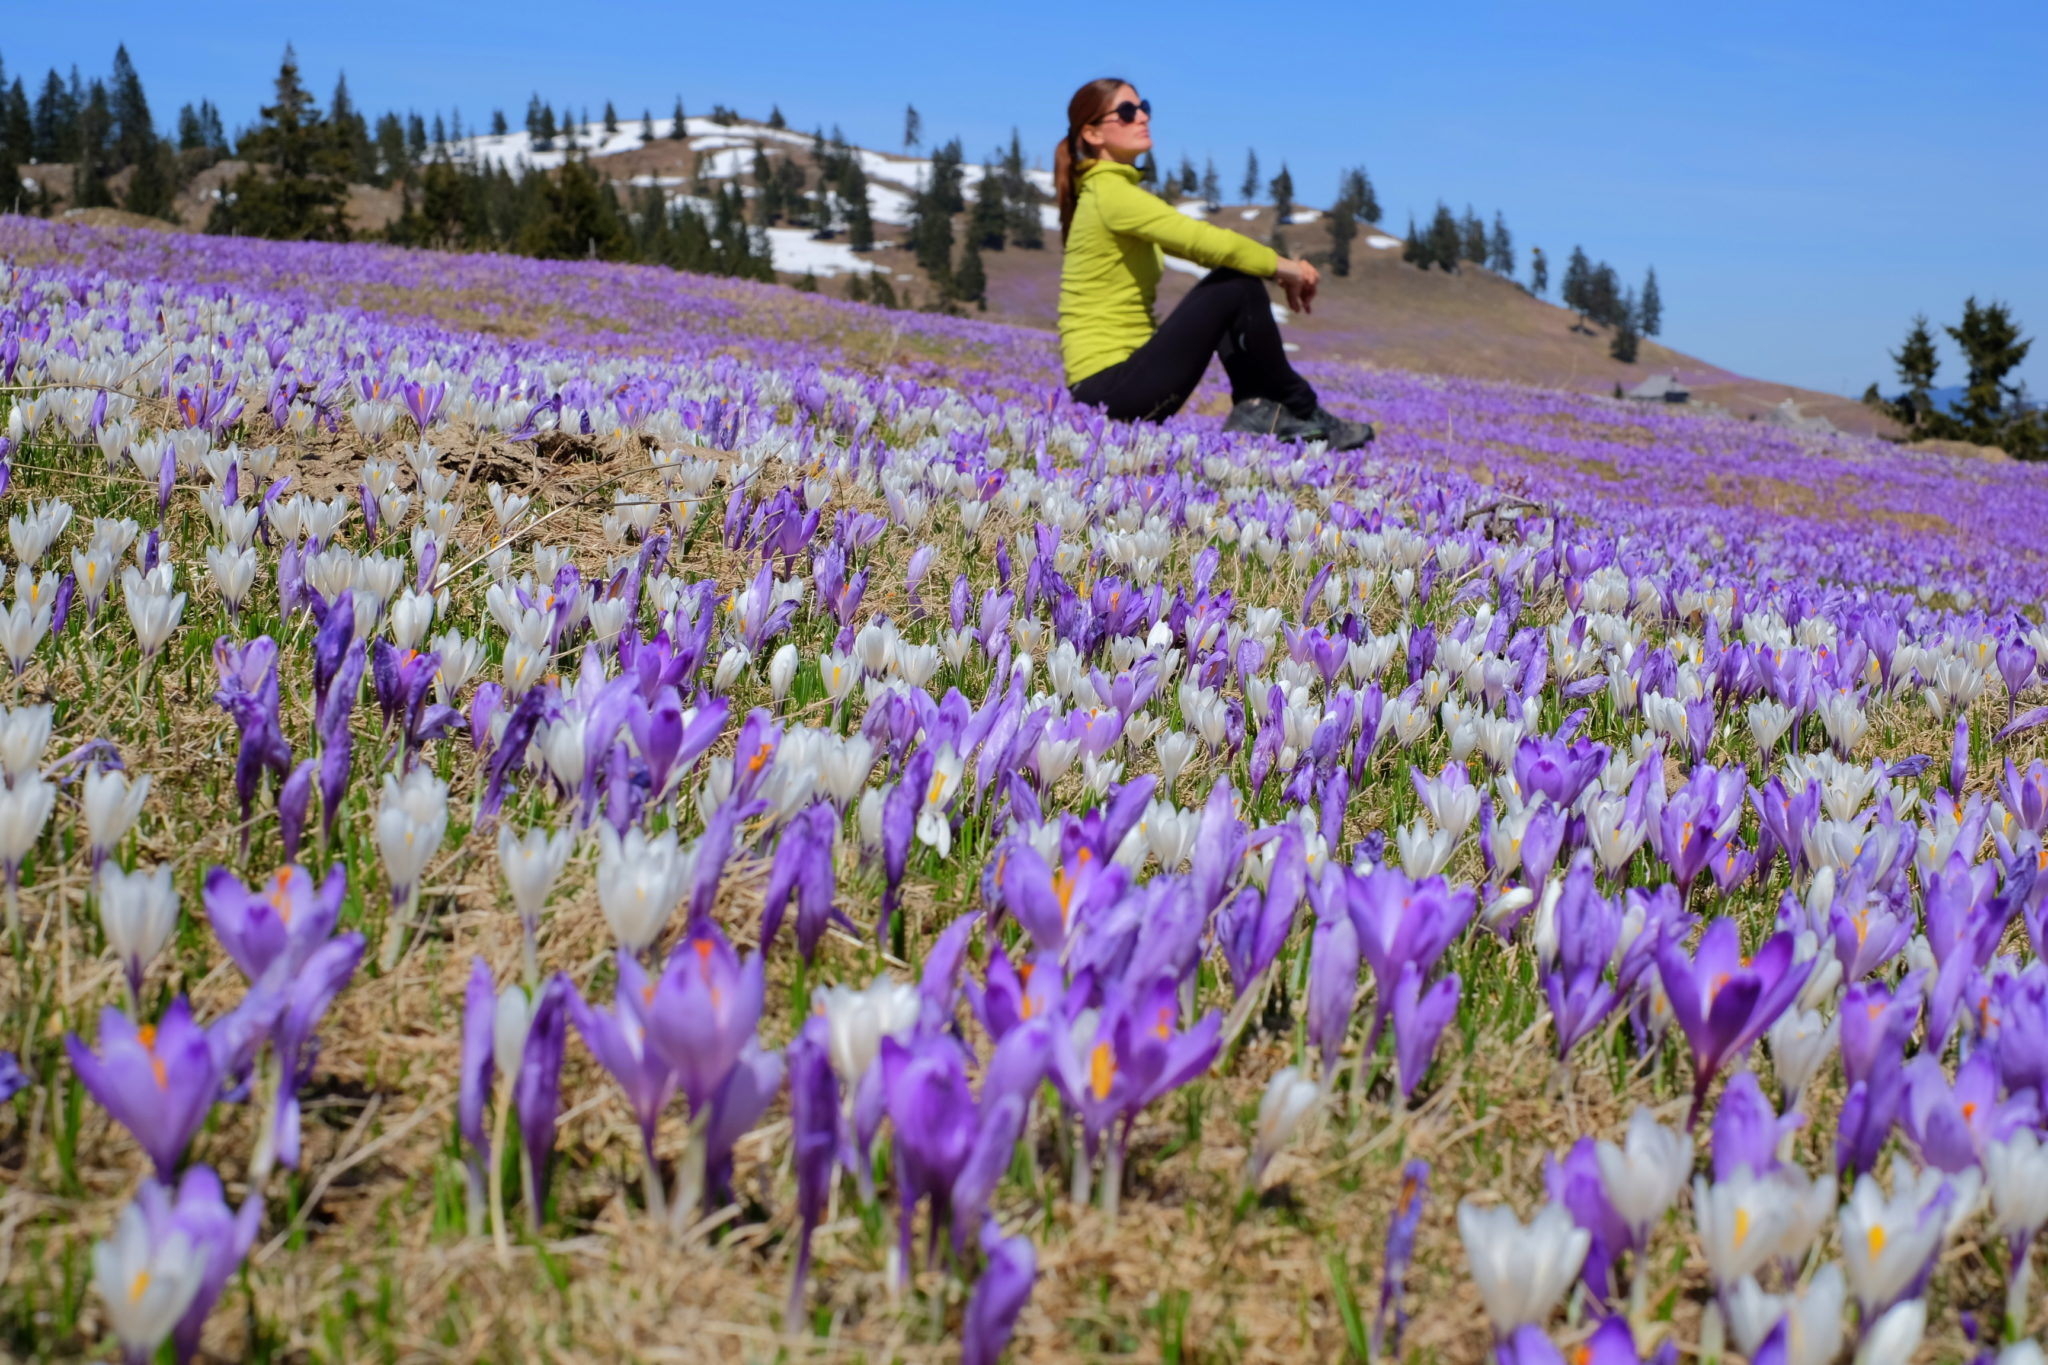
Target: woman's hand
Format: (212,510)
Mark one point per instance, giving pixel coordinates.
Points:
(1298,280)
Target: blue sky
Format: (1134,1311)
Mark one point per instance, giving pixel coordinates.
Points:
(1804,176)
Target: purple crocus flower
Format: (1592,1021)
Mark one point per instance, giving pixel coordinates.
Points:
(223,1235)
(1723,1001)
(1402,921)
(1010,1270)
(1392,1318)
(1575,1184)
(748,1090)
(1746,1130)
(1588,928)
(249,693)
(156,1080)
(1419,1020)
(1332,980)
(537,1091)
(1559,771)
(814,1144)
(282,921)
(1865,1124)
(1876,1024)
(1952,1124)
(803,868)
(307,994)
(704,1010)
(13,1080)
(928,1100)
(617,1037)
(477,1073)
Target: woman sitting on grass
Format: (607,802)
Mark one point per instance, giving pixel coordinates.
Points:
(1114,234)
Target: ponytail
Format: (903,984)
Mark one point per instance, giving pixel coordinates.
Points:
(1068,159)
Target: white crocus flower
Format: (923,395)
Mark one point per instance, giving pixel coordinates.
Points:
(138,911)
(531,863)
(1886,1241)
(856,1022)
(1813,1320)
(1895,1336)
(933,827)
(147,1285)
(153,609)
(782,671)
(1290,1097)
(1741,1221)
(24,810)
(1521,1270)
(112,802)
(639,881)
(731,664)
(1644,1174)
(509,1022)
(234,573)
(1801,1043)
(412,815)
(2016,1170)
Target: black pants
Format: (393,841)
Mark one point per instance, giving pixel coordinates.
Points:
(1228,315)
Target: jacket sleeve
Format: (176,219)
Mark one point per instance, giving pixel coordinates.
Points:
(1130,210)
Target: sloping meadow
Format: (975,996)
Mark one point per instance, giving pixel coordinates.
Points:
(564,808)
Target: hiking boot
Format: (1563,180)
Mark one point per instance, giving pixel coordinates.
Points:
(1265,417)
(1341,432)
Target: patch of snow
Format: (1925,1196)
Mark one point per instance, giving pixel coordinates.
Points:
(887,204)
(1185,267)
(1247,214)
(1280,313)
(1379,241)
(1289,346)
(794,250)
(1193,208)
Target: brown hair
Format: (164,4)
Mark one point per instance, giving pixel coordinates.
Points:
(1086,106)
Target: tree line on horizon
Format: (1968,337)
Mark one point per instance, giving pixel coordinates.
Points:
(301,160)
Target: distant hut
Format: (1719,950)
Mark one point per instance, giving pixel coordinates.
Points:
(1659,388)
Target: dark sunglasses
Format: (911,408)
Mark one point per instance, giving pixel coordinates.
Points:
(1126,112)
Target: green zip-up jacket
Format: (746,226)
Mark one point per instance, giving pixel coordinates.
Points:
(1110,274)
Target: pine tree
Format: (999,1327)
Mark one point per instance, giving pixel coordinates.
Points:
(498,125)
(134,134)
(646,125)
(857,287)
(1212,186)
(1283,197)
(391,147)
(1343,227)
(1578,276)
(988,225)
(1249,190)
(1415,247)
(913,127)
(1626,339)
(296,185)
(353,132)
(19,124)
(95,145)
(970,282)
(1539,272)
(1189,181)
(55,128)
(809,283)
(1500,250)
(1652,306)
(11,153)
(931,232)
(438,139)
(860,223)
(678,125)
(1603,296)
(152,185)
(1022,197)
(767,199)
(1148,171)
(611,119)
(577,217)
(1355,187)
(1472,238)
(1992,348)
(880,291)
(775,118)
(1446,243)
(1917,363)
